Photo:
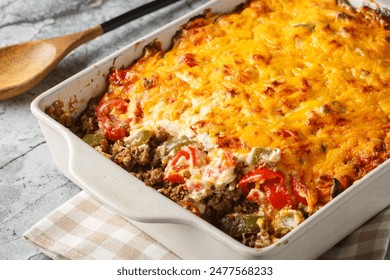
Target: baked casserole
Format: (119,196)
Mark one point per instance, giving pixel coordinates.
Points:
(255,119)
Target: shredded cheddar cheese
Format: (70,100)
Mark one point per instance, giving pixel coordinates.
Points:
(308,77)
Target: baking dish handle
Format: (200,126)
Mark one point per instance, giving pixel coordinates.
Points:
(117,188)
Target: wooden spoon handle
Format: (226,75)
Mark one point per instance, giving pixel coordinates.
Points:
(68,43)
(82,37)
(134,14)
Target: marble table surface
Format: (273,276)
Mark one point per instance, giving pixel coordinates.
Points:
(30,184)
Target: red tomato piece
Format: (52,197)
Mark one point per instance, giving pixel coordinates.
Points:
(273,186)
(186,158)
(189,154)
(299,191)
(118,76)
(278,196)
(174,178)
(188,59)
(114,129)
(259,174)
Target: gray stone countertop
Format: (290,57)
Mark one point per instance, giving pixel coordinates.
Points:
(30,184)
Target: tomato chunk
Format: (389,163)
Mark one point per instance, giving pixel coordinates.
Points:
(278,196)
(174,178)
(188,59)
(299,191)
(120,76)
(114,128)
(272,184)
(259,174)
(180,164)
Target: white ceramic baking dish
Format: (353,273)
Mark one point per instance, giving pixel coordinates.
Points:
(185,234)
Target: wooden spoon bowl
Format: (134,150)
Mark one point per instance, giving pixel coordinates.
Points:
(28,64)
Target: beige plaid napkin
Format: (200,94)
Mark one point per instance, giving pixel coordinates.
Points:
(83,228)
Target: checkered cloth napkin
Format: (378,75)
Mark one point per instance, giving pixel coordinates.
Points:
(83,228)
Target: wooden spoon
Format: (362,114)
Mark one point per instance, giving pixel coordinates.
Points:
(27,64)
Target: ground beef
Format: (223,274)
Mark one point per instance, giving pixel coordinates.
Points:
(154,177)
(89,124)
(104,147)
(141,154)
(86,123)
(220,203)
(175,192)
(57,112)
(122,156)
(246,207)
(161,136)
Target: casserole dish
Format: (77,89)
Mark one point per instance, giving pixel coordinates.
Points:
(175,227)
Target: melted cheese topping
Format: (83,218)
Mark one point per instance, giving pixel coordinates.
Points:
(308,77)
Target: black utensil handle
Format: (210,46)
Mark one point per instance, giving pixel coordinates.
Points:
(134,14)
